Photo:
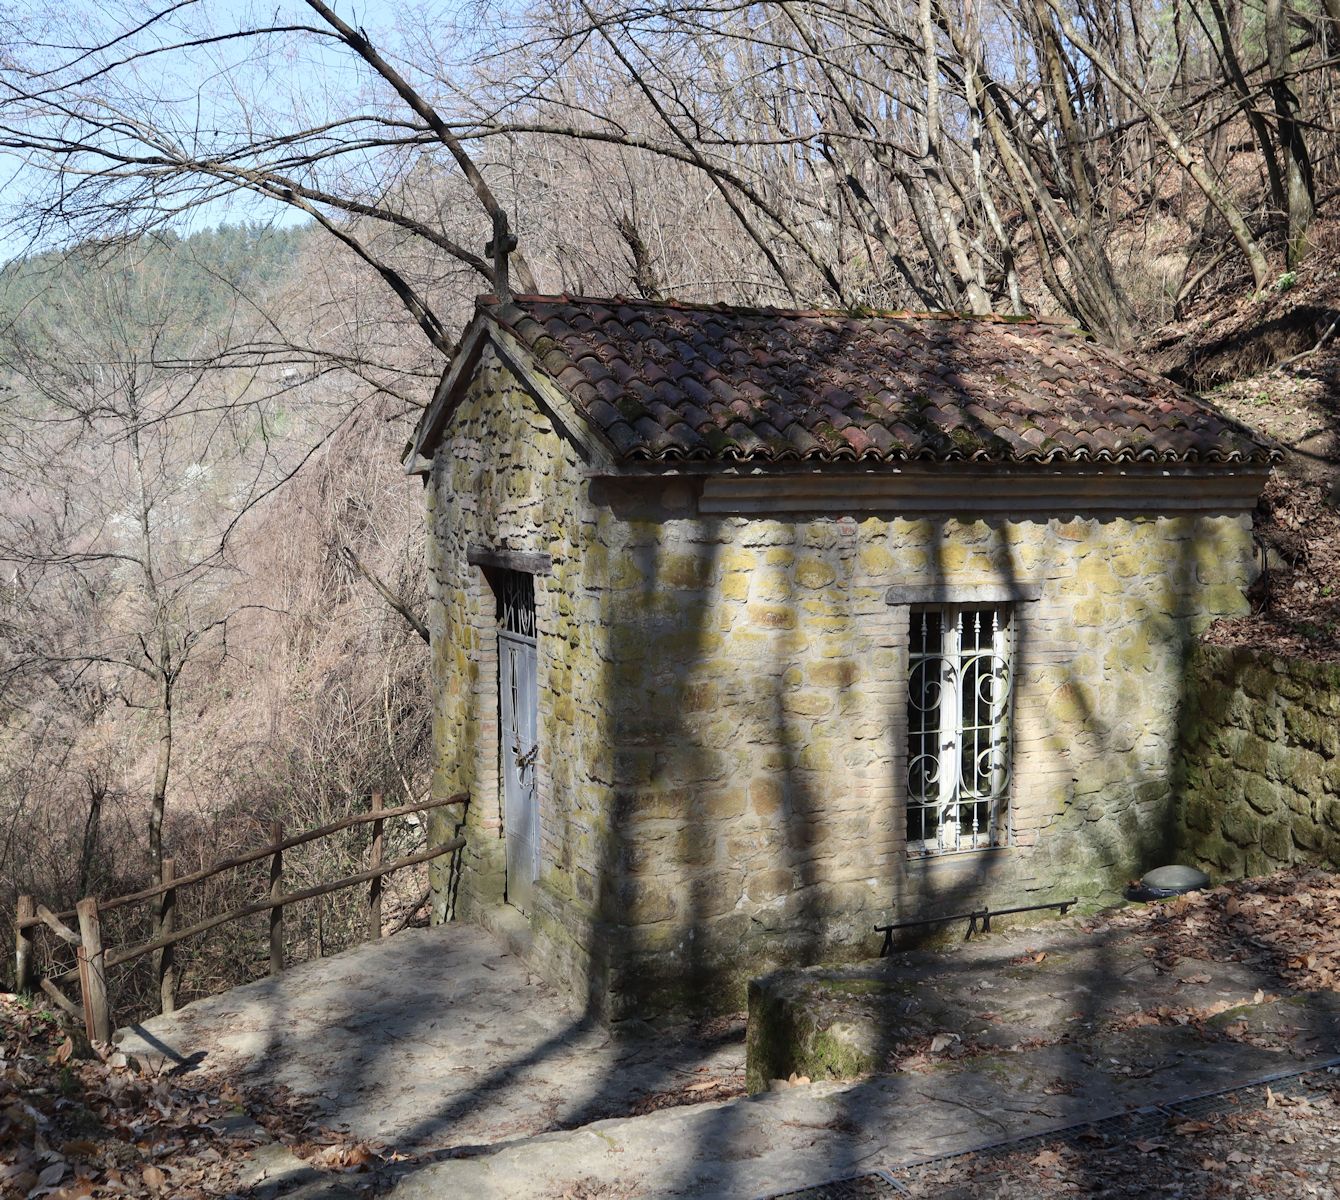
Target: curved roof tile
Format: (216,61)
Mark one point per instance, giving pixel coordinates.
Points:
(785,385)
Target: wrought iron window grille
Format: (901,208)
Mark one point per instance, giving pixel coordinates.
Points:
(514,597)
(958,728)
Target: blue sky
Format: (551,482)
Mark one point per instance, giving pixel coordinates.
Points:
(324,79)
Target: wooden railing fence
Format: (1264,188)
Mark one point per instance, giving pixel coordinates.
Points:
(94,959)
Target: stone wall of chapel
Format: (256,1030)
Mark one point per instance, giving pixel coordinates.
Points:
(505,478)
(722,709)
(761,729)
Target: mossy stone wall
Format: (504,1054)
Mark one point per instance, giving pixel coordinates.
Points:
(505,479)
(761,676)
(1260,775)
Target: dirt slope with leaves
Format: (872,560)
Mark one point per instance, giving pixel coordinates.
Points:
(1272,360)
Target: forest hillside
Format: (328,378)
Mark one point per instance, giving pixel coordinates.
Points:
(189,645)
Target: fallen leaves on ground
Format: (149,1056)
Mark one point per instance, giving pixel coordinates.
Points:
(1286,926)
(78,1121)
(1233,1154)
(85,1124)
(701,1086)
(596,1189)
(1298,601)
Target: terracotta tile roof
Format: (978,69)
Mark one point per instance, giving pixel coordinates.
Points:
(668,381)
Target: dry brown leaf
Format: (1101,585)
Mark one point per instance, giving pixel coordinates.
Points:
(77,1190)
(1187,1128)
(356,1155)
(154,1177)
(1148,1147)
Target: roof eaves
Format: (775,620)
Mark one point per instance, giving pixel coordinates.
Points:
(428,432)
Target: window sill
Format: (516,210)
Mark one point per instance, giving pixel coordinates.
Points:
(915,857)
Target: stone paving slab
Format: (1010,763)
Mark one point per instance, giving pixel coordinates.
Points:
(439,1044)
(803,1136)
(434,1038)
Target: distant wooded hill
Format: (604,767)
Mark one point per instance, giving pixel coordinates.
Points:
(189,288)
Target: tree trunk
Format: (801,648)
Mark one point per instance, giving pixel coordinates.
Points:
(1299,187)
(162,767)
(1092,295)
(1242,233)
(967,281)
(92,825)
(1232,67)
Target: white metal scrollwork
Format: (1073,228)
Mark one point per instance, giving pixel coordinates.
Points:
(958,762)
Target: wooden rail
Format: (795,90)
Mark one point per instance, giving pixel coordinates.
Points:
(94,959)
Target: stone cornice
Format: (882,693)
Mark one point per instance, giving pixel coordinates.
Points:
(937,488)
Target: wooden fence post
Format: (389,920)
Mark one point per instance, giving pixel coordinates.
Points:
(276,890)
(92,973)
(167,958)
(375,887)
(24,944)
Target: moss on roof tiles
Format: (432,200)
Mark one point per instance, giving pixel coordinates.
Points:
(1088,394)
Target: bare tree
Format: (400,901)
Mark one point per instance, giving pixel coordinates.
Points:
(130,471)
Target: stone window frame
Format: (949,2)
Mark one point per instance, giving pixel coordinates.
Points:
(903,601)
(948,648)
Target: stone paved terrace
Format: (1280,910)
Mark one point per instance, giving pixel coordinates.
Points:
(433,1039)
(438,1046)
(782,1142)
(1008,991)
(1042,1028)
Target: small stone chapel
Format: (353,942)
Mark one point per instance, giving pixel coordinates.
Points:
(755,628)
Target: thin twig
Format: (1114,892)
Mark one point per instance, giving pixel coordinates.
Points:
(1321,342)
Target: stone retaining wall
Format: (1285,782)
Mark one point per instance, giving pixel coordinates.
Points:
(1260,773)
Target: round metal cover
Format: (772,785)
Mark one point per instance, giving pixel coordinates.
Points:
(1169,881)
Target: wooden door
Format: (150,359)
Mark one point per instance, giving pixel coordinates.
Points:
(519,741)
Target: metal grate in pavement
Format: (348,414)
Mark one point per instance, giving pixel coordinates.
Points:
(875,1186)
(1304,1086)
(1110,1133)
